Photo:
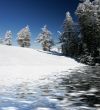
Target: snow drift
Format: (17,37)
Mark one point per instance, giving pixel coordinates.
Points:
(22,64)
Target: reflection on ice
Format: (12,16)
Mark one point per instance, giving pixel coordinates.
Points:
(79,90)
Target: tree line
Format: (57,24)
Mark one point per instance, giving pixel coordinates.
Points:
(82,40)
(24,38)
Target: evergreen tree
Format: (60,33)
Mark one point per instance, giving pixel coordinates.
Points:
(68,38)
(45,39)
(24,37)
(8,38)
(89,18)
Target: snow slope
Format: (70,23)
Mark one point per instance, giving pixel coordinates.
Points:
(22,64)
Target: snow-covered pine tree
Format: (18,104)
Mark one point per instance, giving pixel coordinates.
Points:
(8,38)
(27,36)
(24,37)
(89,18)
(68,38)
(45,39)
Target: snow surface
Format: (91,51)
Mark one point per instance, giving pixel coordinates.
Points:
(22,64)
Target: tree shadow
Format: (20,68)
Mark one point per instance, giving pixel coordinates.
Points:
(51,52)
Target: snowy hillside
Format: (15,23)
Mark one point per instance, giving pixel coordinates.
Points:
(20,64)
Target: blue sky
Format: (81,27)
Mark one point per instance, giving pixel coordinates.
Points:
(16,14)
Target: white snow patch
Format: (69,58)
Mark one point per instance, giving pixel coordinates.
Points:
(9,108)
(39,108)
(26,102)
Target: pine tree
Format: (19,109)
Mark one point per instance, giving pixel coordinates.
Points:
(45,39)
(8,38)
(89,18)
(68,38)
(24,37)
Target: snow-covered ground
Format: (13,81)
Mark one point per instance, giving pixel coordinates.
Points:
(22,64)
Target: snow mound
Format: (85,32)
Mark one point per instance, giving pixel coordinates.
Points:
(20,64)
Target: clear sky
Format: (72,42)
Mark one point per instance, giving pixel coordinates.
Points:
(16,14)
